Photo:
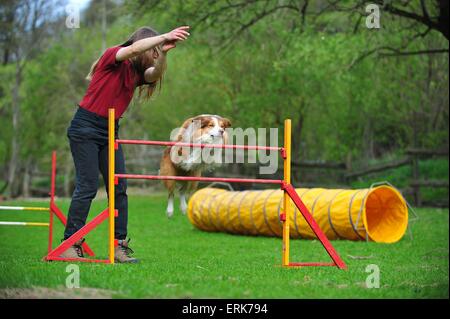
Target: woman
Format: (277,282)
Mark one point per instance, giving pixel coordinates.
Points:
(139,62)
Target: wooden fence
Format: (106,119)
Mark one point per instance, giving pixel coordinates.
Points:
(411,158)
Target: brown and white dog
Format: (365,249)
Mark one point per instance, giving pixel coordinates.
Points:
(188,161)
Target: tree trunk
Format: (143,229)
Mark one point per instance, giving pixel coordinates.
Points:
(368,140)
(27,176)
(103,25)
(443,18)
(14,160)
(297,150)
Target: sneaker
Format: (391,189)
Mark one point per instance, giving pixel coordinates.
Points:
(122,252)
(75,251)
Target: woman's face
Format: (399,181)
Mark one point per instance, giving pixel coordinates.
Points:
(155,53)
(149,57)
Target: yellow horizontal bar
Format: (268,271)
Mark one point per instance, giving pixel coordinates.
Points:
(37,224)
(23,224)
(42,209)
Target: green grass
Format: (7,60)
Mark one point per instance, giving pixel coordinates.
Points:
(179,261)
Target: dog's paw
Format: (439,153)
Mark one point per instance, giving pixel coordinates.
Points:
(169,213)
(183,208)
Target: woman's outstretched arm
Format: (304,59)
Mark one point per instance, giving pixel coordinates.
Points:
(140,46)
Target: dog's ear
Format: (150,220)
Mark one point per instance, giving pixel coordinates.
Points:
(226,122)
(182,129)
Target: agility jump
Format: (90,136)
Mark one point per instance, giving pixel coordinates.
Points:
(110,212)
(53,210)
(21,208)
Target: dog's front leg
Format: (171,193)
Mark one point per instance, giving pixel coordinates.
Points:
(169,209)
(183,204)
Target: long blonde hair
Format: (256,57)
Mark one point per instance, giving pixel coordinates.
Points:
(141,62)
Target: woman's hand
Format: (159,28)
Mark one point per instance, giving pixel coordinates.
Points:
(168,46)
(178,34)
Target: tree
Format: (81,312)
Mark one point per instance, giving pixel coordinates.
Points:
(232,17)
(26,25)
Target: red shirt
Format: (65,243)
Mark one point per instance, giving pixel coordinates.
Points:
(112,85)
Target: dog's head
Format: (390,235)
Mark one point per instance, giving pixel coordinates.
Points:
(204,128)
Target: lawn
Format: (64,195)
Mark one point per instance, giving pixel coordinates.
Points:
(179,261)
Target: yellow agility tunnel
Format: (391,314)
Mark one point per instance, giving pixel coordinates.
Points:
(378,214)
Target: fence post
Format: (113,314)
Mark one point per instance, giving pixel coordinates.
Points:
(415,175)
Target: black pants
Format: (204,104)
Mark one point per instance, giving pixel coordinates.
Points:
(88,137)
